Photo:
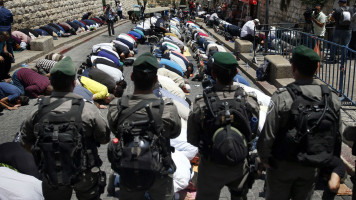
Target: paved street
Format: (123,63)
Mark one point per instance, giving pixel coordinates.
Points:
(11,120)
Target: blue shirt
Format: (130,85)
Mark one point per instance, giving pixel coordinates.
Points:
(160,23)
(2,44)
(6,19)
(140,32)
(171,64)
(135,34)
(10,91)
(85,93)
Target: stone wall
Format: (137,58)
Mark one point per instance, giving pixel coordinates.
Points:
(294,12)
(34,13)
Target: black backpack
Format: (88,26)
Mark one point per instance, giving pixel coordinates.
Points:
(345,20)
(263,71)
(139,155)
(59,151)
(227,127)
(313,132)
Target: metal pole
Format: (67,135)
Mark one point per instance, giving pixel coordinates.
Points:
(266,27)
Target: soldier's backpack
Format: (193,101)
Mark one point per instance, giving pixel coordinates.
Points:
(227,127)
(59,150)
(313,132)
(141,150)
(345,17)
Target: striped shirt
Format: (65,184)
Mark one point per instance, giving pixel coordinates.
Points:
(34,83)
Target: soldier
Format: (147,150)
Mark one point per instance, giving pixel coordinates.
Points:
(121,112)
(294,127)
(63,134)
(223,161)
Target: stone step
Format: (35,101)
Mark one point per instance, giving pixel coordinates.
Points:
(282,82)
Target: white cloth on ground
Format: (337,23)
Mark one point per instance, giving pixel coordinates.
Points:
(182,175)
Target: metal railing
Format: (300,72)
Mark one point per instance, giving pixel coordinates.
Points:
(337,66)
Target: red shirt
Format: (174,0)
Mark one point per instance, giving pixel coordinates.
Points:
(133,37)
(34,83)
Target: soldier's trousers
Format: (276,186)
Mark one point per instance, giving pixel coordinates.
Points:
(213,177)
(86,189)
(290,180)
(162,189)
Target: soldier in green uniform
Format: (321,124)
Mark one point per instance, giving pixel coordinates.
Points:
(212,174)
(288,177)
(95,130)
(144,76)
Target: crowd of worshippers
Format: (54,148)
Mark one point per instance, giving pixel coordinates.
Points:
(100,81)
(101,77)
(21,38)
(204,47)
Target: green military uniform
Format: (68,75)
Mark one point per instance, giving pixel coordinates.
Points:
(162,188)
(95,129)
(212,177)
(286,179)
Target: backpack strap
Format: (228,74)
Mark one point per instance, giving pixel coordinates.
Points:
(46,106)
(325,90)
(139,106)
(294,90)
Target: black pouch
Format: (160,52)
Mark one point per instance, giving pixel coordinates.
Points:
(102,181)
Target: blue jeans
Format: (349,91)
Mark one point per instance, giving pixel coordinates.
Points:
(16,82)
(341,37)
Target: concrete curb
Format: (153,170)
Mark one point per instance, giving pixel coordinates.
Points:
(37,54)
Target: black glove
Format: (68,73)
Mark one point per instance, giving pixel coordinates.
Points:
(169,167)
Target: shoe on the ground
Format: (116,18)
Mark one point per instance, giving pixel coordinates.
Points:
(111,186)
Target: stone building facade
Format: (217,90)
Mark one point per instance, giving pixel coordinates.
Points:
(293,12)
(34,13)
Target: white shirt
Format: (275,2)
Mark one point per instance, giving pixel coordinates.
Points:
(126,37)
(108,46)
(172,46)
(319,31)
(119,6)
(14,186)
(213,16)
(174,39)
(114,73)
(171,86)
(93,58)
(179,61)
(248,29)
(219,48)
(120,43)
